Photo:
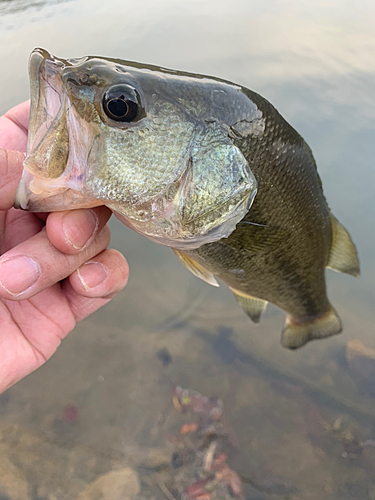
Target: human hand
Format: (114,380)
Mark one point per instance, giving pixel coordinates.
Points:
(54,268)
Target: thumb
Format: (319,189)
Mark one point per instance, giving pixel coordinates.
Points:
(10,174)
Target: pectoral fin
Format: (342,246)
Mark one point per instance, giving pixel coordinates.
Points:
(343,257)
(298,332)
(252,306)
(196,268)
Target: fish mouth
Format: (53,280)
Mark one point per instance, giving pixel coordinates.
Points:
(53,176)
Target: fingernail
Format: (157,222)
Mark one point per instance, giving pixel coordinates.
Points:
(79,227)
(18,274)
(92,274)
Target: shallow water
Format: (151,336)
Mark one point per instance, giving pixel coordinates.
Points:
(298,425)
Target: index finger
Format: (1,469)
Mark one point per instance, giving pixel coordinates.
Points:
(13,127)
(10,174)
(13,136)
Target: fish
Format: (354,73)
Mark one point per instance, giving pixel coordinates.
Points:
(197,163)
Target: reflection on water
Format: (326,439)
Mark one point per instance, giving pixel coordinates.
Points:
(16,6)
(101,418)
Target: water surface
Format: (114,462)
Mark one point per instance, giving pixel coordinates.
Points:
(299,425)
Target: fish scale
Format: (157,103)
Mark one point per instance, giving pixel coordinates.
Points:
(196,163)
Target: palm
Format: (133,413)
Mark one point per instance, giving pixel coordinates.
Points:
(34,320)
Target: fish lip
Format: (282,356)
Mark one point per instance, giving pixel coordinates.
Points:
(26,198)
(46,56)
(21,201)
(40,57)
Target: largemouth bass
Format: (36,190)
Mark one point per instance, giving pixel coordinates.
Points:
(196,163)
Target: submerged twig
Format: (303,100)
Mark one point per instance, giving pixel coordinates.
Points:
(165,490)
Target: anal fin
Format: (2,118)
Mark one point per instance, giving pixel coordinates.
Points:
(252,306)
(297,332)
(195,268)
(343,256)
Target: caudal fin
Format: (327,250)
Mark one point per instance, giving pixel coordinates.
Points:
(297,332)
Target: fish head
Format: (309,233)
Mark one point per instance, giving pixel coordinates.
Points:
(156,146)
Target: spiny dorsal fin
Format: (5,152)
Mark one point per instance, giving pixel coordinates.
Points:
(297,333)
(343,256)
(196,268)
(252,306)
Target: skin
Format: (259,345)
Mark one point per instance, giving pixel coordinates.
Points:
(72,271)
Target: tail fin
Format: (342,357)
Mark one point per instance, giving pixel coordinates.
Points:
(297,332)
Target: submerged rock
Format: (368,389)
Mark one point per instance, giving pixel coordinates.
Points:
(361,361)
(13,484)
(122,484)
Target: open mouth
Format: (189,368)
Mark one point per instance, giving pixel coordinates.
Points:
(46,106)
(53,176)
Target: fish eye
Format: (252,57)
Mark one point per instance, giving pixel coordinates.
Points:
(121,103)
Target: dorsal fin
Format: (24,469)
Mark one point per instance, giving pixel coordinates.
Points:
(196,268)
(343,256)
(252,306)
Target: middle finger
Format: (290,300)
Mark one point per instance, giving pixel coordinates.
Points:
(36,264)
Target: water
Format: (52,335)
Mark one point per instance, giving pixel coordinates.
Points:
(299,424)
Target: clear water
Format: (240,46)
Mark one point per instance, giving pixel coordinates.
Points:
(299,424)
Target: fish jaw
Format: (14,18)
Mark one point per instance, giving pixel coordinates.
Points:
(35,194)
(54,176)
